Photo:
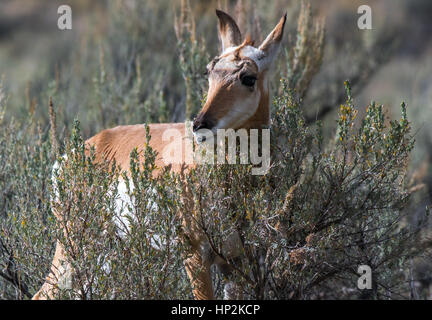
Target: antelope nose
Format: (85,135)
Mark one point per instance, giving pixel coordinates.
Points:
(200,124)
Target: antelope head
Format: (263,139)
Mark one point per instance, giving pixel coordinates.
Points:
(238,94)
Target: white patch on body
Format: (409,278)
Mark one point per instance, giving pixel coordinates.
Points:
(123,206)
(124,216)
(54,174)
(65,275)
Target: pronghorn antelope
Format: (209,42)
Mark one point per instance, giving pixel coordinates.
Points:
(238,98)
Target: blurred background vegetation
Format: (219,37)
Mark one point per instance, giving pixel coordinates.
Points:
(127,62)
(127,53)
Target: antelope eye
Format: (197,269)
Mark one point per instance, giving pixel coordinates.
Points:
(248,81)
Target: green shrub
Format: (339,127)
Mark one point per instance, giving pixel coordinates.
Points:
(26,222)
(323,209)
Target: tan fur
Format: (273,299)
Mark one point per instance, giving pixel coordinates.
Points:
(225,93)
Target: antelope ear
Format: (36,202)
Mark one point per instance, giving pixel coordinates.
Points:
(270,45)
(229,32)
